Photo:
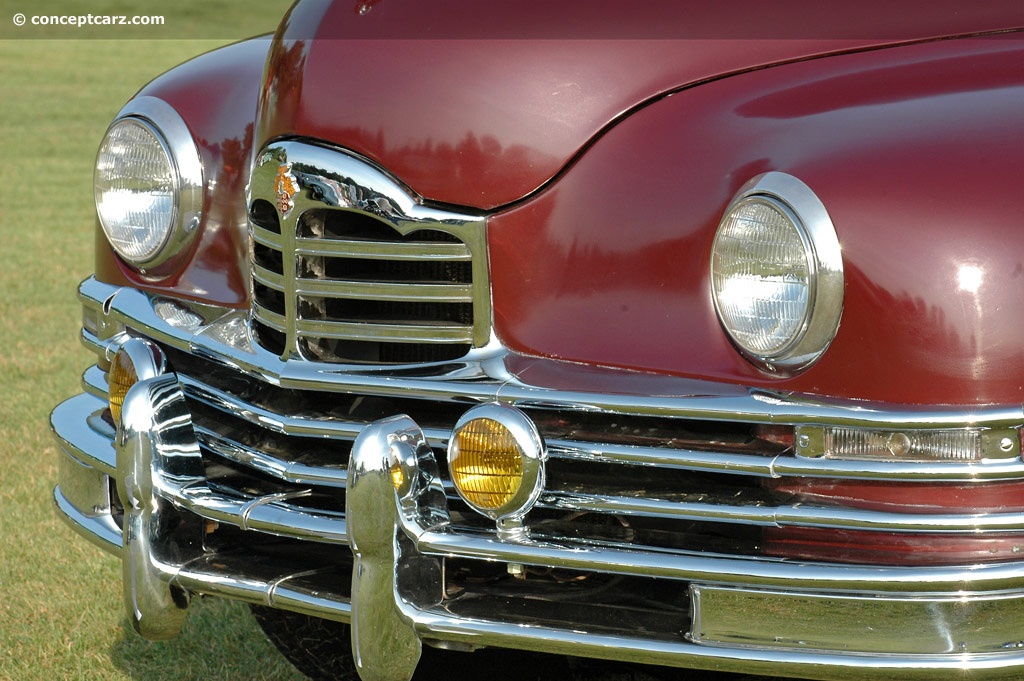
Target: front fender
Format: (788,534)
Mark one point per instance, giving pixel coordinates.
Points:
(216,94)
(914,151)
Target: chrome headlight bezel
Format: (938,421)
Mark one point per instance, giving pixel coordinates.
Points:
(160,120)
(810,335)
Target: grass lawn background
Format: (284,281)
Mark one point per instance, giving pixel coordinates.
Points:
(61,613)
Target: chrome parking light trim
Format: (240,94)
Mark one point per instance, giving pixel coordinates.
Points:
(533,456)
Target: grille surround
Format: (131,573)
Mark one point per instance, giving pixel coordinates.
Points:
(348,267)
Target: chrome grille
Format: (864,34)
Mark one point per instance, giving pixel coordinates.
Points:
(347,267)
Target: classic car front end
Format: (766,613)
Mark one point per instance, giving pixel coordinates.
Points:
(659,344)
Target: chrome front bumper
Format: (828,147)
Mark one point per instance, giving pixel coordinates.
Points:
(142,492)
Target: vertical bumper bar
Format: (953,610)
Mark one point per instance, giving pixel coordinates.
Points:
(384,642)
(155,445)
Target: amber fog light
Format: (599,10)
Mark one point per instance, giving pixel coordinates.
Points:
(134,361)
(496,460)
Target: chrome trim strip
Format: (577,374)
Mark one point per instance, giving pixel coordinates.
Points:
(235,578)
(130,307)
(81,434)
(383,250)
(658,508)
(225,341)
(262,275)
(848,666)
(788,516)
(695,567)
(285,424)
(100,530)
(360,331)
(878,624)
(269,515)
(289,471)
(373,290)
(734,404)
(784,466)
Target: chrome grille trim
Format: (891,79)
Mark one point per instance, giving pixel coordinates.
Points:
(330,233)
(270,515)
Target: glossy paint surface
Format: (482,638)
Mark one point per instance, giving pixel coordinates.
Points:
(478,104)
(216,94)
(913,152)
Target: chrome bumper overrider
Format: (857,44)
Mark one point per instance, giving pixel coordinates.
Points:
(755,615)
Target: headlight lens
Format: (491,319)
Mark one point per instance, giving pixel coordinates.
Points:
(776,274)
(137,190)
(762,276)
(148,183)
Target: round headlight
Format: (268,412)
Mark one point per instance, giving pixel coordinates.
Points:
(148,183)
(777,274)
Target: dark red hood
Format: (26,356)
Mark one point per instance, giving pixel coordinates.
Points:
(480,103)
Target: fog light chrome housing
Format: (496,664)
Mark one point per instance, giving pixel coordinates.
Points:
(135,360)
(496,460)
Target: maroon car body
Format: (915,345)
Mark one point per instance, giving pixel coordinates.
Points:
(590,157)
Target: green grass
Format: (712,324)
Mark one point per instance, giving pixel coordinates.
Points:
(60,605)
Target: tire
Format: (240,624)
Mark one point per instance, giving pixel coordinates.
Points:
(321,649)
